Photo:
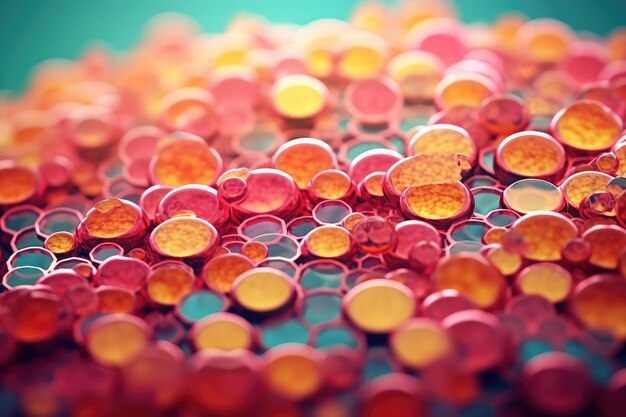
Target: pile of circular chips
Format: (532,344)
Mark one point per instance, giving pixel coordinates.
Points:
(398,215)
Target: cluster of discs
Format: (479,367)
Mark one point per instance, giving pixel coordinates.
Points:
(393,216)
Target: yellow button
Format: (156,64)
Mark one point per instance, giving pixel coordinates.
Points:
(379,305)
(262,289)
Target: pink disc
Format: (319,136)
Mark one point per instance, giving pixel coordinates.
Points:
(375,100)
(480,338)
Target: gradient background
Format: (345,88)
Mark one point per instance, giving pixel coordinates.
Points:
(35,30)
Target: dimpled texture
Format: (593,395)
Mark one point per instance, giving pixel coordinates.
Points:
(181,161)
(419,170)
(442,139)
(544,235)
(111,218)
(329,242)
(587,126)
(583,184)
(531,156)
(437,201)
(182,237)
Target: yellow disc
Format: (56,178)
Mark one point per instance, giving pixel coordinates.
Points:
(548,280)
(168,284)
(331,184)
(416,72)
(530,154)
(320,44)
(471,275)
(115,339)
(369,17)
(224,331)
(528,195)
(110,218)
(299,96)
(183,159)
(329,241)
(442,138)
(544,40)
(587,125)
(352,220)
(221,271)
(379,305)
(544,234)
(437,201)
(293,371)
(320,61)
(255,251)
(182,237)
(373,184)
(363,55)
(303,158)
(582,184)
(419,170)
(507,263)
(60,242)
(262,289)
(231,56)
(463,89)
(420,342)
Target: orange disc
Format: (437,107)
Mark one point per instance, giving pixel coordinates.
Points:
(471,275)
(587,125)
(183,158)
(17,184)
(303,158)
(221,271)
(599,303)
(329,242)
(544,235)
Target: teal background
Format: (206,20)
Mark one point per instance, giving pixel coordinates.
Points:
(35,30)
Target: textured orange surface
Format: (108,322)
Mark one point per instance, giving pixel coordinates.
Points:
(168,285)
(303,161)
(606,244)
(181,161)
(331,184)
(182,237)
(221,271)
(544,235)
(583,184)
(60,242)
(531,155)
(425,169)
(442,138)
(471,275)
(111,218)
(587,125)
(329,241)
(437,201)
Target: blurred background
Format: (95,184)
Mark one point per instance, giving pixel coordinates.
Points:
(35,30)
